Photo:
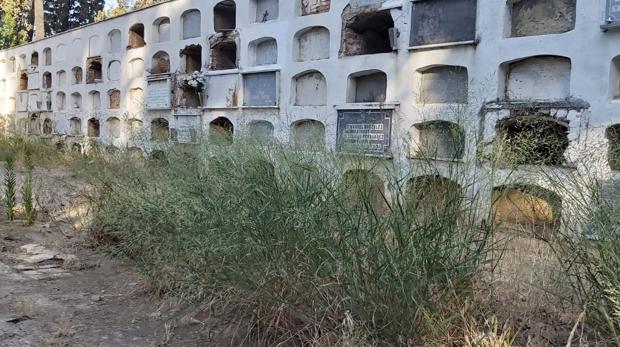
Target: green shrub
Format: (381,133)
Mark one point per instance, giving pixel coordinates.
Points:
(277,230)
(27,187)
(10,186)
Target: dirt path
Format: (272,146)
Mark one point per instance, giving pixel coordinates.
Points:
(57,291)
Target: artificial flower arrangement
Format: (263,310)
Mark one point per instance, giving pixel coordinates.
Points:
(197,81)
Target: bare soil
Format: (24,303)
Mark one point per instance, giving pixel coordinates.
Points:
(57,290)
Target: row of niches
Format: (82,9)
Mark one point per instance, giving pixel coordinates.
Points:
(539,78)
(366,29)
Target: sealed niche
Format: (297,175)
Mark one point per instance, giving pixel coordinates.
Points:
(541,17)
(260,89)
(444,84)
(534,210)
(442,21)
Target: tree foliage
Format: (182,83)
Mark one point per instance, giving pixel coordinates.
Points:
(124,6)
(14,26)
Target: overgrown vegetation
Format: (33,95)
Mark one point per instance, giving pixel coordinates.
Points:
(10,184)
(27,188)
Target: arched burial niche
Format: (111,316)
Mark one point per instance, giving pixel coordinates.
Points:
(94,70)
(532,139)
(114,70)
(160,63)
(308,7)
(310,89)
(260,131)
(311,44)
(114,41)
(437,139)
(136,68)
(263,51)
(61,78)
(76,101)
(221,131)
(161,29)
(223,54)
(191,59)
(160,130)
(538,78)
(76,75)
(614,83)
(61,100)
(47,80)
(136,36)
(34,58)
(444,85)
(47,56)
(23,81)
(75,126)
(94,101)
(264,10)
(366,31)
(364,190)
(225,16)
(433,198)
(113,125)
(613,140)
(530,208)
(34,126)
(308,134)
(367,86)
(93,129)
(48,126)
(114,99)
(191,24)
(541,17)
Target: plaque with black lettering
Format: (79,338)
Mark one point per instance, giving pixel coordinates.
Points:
(365,132)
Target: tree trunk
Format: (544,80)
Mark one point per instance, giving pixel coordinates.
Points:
(39,20)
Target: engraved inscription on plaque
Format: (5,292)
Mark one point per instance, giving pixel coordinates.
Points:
(158,96)
(365,131)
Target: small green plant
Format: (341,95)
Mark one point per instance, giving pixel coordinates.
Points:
(27,188)
(9,185)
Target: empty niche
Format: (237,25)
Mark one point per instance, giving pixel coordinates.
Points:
(364,189)
(225,16)
(114,99)
(160,130)
(61,78)
(260,130)
(191,59)
(48,126)
(223,54)
(76,75)
(437,139)
(367,86)
(94,101)
(541,17)
(613,152)
(614,85)
(34,58)
(47,80)
(310,89)
(263,51)
(94,70)
(136,68)
(114,70)
(114,41)
(221,131)
(312,44)
(444,85)
(308,7)
(532,139)
(260,89)
(538,78)
(75,126)
(114,128)
(432,198)
(161,30)
(530,208)
(93,129)
(366,31)
(309,134)
(47,56)
(440,21)
(23,81)
(191,24)
(61,100)
(136,36)
(265,10)
(76,101)
(160,63)
(94,46)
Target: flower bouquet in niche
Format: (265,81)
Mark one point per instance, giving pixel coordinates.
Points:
(195,82)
